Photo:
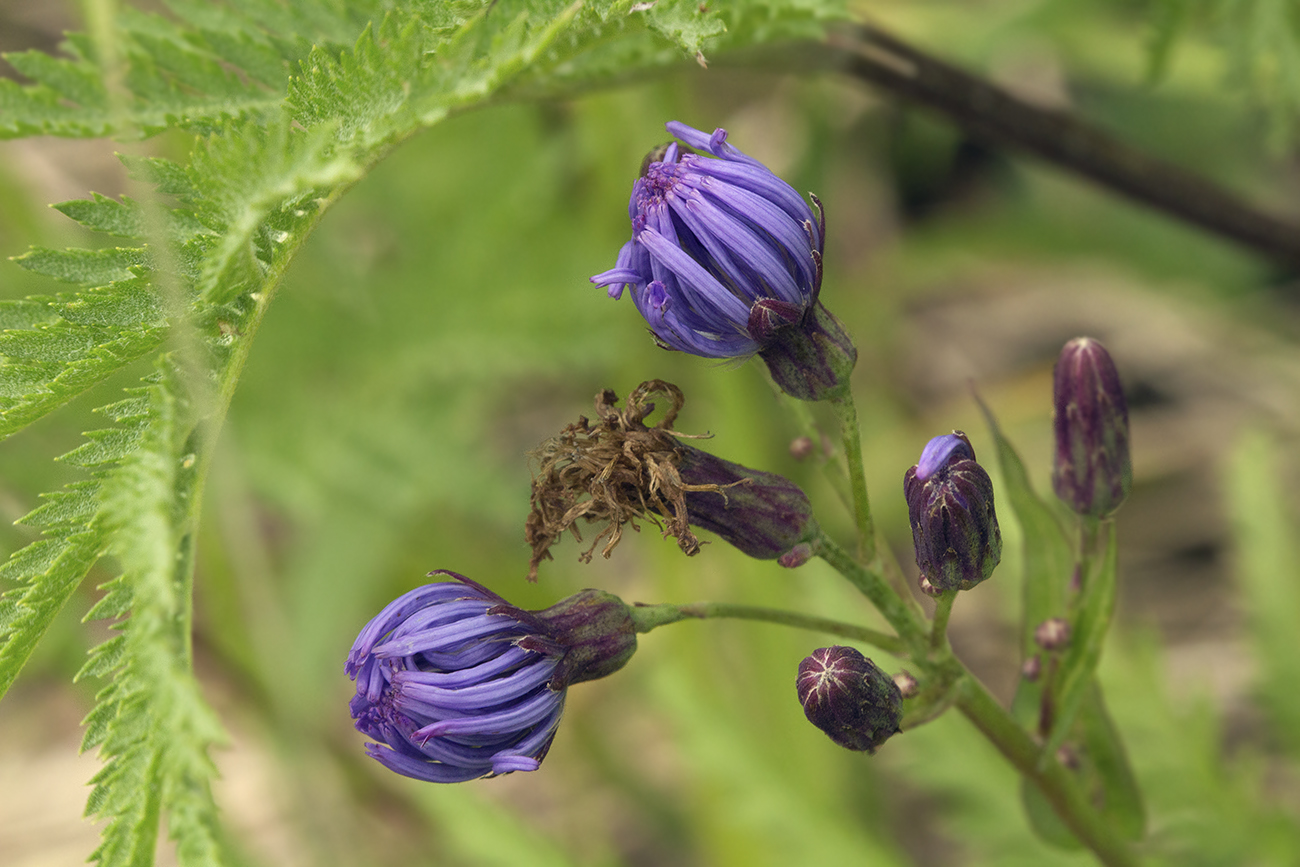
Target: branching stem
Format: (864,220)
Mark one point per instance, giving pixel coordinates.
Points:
(873,585)
(1051,778)
(648,617)
(990,112)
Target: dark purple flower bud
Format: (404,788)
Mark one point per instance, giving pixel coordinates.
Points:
(725,262)
(454,683)
(950,505)
(764,515)
(845,695)
(1093,472)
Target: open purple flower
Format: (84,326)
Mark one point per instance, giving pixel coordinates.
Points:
(725,262)
(712,235)
(454,683)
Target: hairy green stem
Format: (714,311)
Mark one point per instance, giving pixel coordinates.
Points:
(1050,777)
(939,624)
(648,617)
(847,413)
(873,585)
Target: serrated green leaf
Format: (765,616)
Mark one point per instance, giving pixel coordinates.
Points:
(64,561)
(76,504)
(85,267)
(31,560)
(103,214)
(72,79)
(167,177)
(158,729)
(51,344)
(132,408)
(72,358)
(688,23)
(116,602)
(103,658)
(104,446)
(27,313)
(128,305)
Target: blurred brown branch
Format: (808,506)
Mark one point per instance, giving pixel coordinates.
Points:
(991,113)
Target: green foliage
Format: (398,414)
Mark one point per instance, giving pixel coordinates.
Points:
(1260,40)
(1267,558)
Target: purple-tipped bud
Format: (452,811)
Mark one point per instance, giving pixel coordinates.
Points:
(950,505)
(454,683)
(845,695)
(725,262)
(767,517)
(1092,472)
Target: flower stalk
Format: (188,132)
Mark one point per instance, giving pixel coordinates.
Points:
(648,617)
(847,413)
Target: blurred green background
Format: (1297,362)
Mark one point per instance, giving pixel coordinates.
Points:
(440,324)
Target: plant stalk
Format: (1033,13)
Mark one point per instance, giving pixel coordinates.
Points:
(1049,775)
(648,617)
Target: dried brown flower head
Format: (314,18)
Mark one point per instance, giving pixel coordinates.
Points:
(613,471)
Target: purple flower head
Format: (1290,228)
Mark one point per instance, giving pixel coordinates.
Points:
(950,506)
(845,695)
(454,683)
(1092,472)
(712,235)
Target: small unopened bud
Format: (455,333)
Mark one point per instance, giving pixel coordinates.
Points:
(801,448)
(1053,634)
(907,685)
(796,556)
(1032,668)
(950,506)
(1093,472)
(845,695)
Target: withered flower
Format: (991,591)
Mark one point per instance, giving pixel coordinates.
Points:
(616,470)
